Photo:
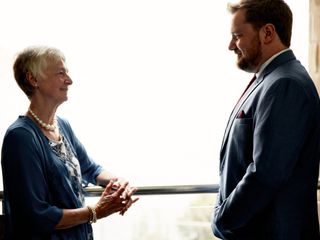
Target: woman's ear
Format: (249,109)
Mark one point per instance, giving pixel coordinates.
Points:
(32,80)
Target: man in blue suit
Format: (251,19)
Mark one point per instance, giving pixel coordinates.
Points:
(269,160)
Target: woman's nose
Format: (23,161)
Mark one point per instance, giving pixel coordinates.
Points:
(68,80)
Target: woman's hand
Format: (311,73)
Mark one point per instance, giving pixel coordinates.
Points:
(127,194)
(115,198)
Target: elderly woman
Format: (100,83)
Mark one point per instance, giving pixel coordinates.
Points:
(44,164)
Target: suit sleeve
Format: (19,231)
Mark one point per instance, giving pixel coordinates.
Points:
(280,126)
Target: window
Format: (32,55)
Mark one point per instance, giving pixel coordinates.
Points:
(154,82)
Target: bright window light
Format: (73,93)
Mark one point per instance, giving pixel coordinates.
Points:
(154,81)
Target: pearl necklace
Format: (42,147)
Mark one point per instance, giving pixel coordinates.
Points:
(46,126)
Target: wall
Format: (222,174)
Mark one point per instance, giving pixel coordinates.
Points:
(314,48)
(314,51)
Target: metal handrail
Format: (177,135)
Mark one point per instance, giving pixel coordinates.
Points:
(165,190)
(158,190)
(155,190)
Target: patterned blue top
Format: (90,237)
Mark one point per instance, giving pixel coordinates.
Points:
(64,152)
(40,180)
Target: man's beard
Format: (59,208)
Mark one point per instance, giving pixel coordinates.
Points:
(251,60)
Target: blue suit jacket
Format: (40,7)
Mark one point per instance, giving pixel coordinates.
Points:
(269,160)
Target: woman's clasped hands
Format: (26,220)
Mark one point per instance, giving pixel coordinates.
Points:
(116,197)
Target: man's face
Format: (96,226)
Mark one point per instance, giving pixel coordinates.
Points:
(245,43)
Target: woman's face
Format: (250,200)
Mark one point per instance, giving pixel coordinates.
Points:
(54,86)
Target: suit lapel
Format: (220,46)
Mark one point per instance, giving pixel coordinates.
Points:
(279,60)
(237,108)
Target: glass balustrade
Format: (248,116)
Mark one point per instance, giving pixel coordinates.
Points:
(160,217)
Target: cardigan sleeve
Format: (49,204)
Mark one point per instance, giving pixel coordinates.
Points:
(26,190)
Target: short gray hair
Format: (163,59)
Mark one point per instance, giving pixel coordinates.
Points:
(34,60)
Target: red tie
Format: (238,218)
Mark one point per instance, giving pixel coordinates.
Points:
(251,81)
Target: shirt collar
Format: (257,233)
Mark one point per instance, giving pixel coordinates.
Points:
(266,63)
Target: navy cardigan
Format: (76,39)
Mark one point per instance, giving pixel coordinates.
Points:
(36,183)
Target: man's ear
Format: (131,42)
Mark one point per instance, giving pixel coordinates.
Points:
(268,33)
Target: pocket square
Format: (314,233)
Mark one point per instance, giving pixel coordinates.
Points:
(241,114)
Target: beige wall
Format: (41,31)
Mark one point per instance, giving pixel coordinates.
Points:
(314,51)
(314,48)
